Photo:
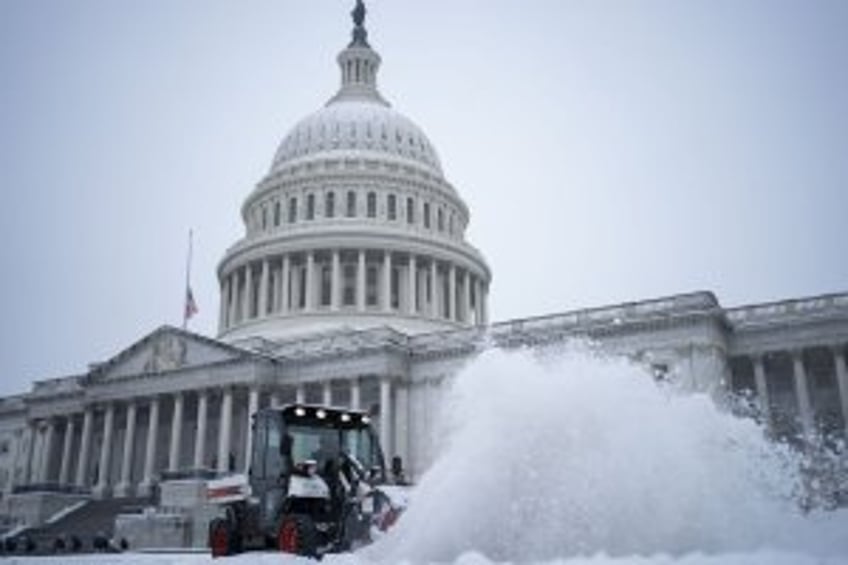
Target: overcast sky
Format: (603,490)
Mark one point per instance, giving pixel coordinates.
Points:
(608,150)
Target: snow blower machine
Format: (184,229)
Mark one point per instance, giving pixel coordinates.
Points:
(316,484)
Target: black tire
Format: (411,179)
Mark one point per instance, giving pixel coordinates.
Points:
(297,535)
(221,538)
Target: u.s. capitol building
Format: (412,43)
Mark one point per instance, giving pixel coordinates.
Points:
(354,285)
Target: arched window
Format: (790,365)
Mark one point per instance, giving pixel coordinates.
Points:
(427,215)
(440,219)
(292,210)
(277,213)
(330,205)
(310,207)
(391,205)
(372,204)
(264,218)
(410,211)
(452,224)
(351,204)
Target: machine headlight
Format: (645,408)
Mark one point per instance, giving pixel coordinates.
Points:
(345,417)
(321,414)
(299,412)
(366,419)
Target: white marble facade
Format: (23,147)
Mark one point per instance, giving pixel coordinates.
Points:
(354,286)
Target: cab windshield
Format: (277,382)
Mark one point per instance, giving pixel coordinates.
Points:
(325,444)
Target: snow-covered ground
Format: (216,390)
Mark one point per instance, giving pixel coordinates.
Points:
(574,459)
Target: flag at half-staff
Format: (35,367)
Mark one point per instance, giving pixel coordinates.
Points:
(190,306)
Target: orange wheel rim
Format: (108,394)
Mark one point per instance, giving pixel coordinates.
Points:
(219,541)
(289,539)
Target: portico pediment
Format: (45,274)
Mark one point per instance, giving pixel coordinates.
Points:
(166,349)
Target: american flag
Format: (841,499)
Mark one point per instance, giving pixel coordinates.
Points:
(190,304)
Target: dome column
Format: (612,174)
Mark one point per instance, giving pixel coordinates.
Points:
(466,296)
(286,284)
(248,293)
(309,291)
(335,284)
(222,314)
(264,283)
(360,281)
(412,290)
(387,281)
(234,284)
(434,288)
(452,293)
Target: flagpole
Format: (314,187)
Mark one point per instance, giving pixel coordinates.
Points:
(188,279)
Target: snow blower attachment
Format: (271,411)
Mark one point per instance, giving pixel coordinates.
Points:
(315,485)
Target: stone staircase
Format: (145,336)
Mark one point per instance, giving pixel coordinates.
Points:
(92,519)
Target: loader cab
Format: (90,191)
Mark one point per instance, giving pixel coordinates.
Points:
(296,442)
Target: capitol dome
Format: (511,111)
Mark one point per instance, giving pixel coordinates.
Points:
(366,128)
(355,226)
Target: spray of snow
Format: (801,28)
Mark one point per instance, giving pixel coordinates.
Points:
(578,455)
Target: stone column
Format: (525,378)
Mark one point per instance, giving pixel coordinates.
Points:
(434,288)
(327,393)
(762,390)
(85,448)
(176,433)
(247,312)
(802,391)
(102,488)
(466,297)
(124,487)
(152,442)
(264,285)
(335,281)
(310,281)
(386,417)
(252,409)
(65,468)
(234,299)
(387,281)
(13,469)
(286,284)
(300,394)
(225,431)
(842,382)
(412,290)
(452,293)
(200,435)
(401,422)
(31,434)
(360,281)
(49,439)
(355,394)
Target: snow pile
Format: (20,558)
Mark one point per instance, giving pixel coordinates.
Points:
(576,455)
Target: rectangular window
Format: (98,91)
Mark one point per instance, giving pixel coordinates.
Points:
(371,286)
(349,285)
(351,204)
(292,210)
(427,215)
(326,285)
(330,205)
(410,211)
(301,299)
(395,287)
(392,207)
(310,207)
(277,213)
(440,221)
(372,205)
